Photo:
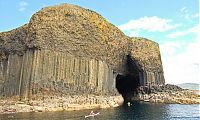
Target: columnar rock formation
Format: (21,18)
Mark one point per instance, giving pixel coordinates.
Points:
(67,49)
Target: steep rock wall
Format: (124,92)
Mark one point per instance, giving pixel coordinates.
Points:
(78,32)
(41,72)
(146,56)
(67,49)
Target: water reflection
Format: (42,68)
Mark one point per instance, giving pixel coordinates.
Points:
(143,111)
(138,111)
(183,112)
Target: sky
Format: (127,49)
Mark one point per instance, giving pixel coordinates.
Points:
(174,24)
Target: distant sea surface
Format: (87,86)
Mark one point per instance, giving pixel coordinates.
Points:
(138,111)
(191,86)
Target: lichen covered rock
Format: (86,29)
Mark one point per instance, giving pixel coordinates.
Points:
(77,32)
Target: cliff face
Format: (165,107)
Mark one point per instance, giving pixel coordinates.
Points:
(77,32)
(70,50)
(146,54)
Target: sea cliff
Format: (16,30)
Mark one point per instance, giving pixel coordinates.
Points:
(69,53)
(67,49)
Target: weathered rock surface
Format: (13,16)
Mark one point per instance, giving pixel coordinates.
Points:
(167,94)
(77,32)
(70,50)
(146,55)
(55,103)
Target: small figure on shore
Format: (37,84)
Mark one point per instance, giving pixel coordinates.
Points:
(129,104)
(92,113)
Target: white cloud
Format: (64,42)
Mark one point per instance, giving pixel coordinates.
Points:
(22,6)
(150,24)
(186,13)
(169,48)
(188,16)
(132,33)
(194,29)
(185,66)
(184,9)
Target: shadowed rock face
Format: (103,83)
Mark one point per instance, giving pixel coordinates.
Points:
(70,50)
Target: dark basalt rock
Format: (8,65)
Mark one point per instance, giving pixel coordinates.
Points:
(158,88)
(67,49)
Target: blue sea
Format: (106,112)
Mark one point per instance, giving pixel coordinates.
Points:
(138,111)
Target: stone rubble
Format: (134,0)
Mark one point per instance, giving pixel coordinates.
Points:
(67,103)
(167,94)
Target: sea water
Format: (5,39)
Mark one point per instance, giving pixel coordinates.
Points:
(137,111)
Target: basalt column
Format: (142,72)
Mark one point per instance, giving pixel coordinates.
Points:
(43,72)
(66,49)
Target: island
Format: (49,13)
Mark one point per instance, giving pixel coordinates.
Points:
(71,58)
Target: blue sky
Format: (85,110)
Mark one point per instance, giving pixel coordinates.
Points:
(173,24)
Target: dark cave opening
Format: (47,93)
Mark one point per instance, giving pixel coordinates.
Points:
(127,86)
(128,83)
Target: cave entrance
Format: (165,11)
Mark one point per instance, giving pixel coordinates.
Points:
(128,83)
(127,86)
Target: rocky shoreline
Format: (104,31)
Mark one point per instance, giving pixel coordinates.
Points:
(172,97)
(168,94)
(67,103)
